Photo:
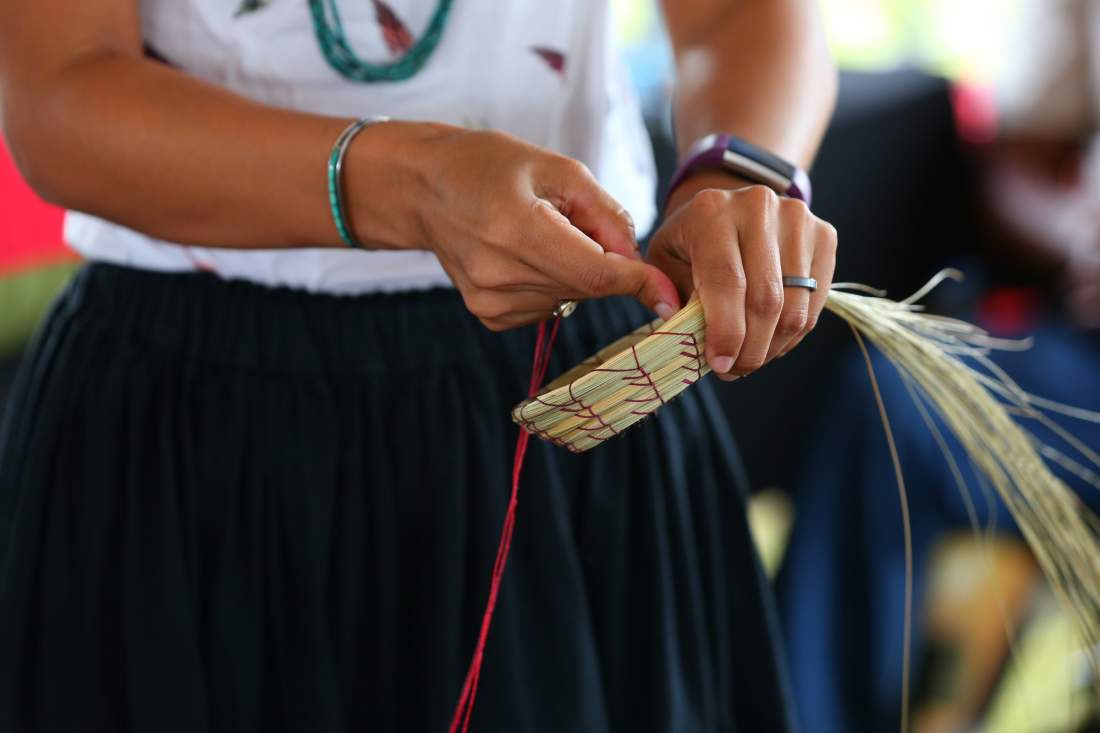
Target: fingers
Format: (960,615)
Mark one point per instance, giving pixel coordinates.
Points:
(575,192)
(583,270)
(735,247)
(758,237)
(824,262)
(796,253)
(721,284)
(670,258)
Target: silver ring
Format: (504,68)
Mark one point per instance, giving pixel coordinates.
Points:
(565,308)
(800,282)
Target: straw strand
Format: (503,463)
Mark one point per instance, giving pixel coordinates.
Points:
(945,359)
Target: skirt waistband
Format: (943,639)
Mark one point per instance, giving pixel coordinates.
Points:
(201,318)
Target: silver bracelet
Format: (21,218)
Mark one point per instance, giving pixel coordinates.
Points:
(336,178)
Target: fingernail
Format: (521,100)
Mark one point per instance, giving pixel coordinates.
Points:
(721,364)
(630,223)
(664,310)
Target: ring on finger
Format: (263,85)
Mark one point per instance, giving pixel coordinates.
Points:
(800,282)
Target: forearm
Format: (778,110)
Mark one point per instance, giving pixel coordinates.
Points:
(166,154)
(758,69)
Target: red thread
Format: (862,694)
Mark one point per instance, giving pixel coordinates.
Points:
(465,707)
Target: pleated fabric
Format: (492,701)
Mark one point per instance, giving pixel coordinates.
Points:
(228,508)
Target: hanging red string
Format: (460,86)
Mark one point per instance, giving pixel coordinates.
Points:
(465,707)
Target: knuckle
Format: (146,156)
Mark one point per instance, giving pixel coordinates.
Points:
(828,235)
(574,168)
(710,200)
(810,324)
(494,324)
(727,275)
(792,206)
(494,137)
(624,216)
(481,272)
(750,363)
(725,339)
(478,304)
(542,218)
(546,214)
(759,196)
(765,299)
(486,306)
(793,321)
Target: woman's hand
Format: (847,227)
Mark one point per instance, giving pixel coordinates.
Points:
(732,248)
(516,227)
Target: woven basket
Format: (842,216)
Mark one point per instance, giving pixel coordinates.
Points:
(620,385)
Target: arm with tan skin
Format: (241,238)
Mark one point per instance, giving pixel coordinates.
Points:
(97,127)
(760,70)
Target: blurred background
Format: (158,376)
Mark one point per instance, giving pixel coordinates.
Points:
(919,171)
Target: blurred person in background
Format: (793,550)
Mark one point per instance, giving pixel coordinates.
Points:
(841,587)
(251,479)
(1043,171)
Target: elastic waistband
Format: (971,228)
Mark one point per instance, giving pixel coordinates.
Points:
(200,317)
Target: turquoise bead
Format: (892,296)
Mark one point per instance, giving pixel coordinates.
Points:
(329,30)
(334,202)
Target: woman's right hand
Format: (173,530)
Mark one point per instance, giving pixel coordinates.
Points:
(517,228)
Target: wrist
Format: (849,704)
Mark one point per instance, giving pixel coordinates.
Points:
(384,179)
(700,180)
(741,158)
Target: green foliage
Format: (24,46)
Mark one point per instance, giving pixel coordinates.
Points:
(24,299)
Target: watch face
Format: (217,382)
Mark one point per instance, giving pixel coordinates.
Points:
(748,161)
(745,149)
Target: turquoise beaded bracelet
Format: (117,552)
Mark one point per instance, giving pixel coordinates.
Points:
(336,178)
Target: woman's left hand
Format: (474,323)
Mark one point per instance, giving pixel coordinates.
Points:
(732,248)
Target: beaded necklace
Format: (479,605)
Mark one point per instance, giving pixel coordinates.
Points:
(329,30)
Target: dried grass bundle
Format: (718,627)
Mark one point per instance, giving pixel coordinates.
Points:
(944,360)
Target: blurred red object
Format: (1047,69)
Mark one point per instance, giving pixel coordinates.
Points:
(975,113)
(30,229)
(1011,312)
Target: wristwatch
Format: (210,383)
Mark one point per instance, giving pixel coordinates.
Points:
(749,161)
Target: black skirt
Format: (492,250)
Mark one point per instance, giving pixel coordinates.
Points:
(225,507)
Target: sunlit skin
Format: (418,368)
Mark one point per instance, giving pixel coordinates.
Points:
(97,127)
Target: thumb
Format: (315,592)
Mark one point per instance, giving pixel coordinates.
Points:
(641,280)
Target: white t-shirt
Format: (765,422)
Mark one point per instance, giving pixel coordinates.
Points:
(544,70)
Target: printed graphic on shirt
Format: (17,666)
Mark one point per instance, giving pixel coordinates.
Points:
(554,59)
(250,6)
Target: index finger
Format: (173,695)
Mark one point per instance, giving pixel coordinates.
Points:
(583,269)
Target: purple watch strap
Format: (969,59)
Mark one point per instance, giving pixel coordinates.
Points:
(739,156)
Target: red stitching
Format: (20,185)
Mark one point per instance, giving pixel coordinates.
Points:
(595,414)
(649,378)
